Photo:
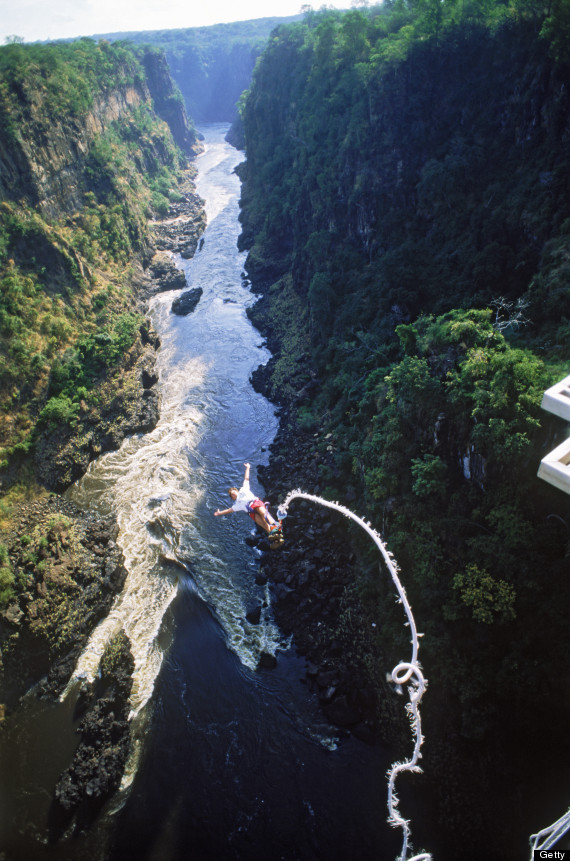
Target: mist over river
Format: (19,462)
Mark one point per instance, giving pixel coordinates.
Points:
(229,761)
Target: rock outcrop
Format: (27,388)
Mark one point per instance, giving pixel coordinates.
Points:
(165,274)
(186,222)
(128,403)
(186,302)
(98,763)
(71,570)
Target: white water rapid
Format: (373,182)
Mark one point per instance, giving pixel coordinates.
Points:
(160,485)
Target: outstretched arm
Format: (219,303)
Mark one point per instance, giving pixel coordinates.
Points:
(247,467)
(218,513)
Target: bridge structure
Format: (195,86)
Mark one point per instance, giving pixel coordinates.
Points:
(555,466)
(555,469)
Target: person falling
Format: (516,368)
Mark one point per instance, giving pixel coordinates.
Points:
(245,500)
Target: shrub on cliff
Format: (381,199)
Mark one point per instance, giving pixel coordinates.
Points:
(59,410)
(7,580)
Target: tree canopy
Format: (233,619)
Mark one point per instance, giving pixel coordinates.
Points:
(407,182)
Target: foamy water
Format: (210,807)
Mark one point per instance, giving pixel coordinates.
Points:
(164,485)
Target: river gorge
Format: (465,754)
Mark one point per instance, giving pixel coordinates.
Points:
(230,755)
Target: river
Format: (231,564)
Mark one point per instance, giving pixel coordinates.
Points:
(230,761)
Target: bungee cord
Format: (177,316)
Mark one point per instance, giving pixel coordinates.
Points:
(548,837)
(405,672)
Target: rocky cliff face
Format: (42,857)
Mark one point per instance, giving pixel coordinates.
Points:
(93,139)
(45,164)
(168,103)
(43,157)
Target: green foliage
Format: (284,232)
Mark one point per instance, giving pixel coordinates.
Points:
(429,476)
(59,410)
(504,388)
(7,580)
(160,204)
(69,76)
(556,30)
(79,367)
(487,597)
(307,419)
(133,169)
(355,162)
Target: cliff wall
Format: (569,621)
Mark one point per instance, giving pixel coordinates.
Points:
(406,212)
(44,164)
(168,100)
(94,145)
(44,153)
(212,66)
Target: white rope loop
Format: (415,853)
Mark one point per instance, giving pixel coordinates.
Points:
(547,838)
(403,673)
(409,670)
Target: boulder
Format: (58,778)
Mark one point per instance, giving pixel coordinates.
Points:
(266,661)
(13,614)
(166,275)
(187,301)
(148,378)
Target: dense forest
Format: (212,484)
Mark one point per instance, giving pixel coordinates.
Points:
(406,208)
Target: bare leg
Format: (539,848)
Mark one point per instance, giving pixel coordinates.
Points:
(263,518)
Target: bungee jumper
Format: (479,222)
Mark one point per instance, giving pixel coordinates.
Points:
(245,500)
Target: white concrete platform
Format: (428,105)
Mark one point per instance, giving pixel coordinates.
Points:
(555,467)
(556,399)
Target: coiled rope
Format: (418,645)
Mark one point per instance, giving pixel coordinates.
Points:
(405,672)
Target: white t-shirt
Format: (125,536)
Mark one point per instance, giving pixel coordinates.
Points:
(244,496)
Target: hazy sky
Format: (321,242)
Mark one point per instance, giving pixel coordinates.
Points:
(61,19)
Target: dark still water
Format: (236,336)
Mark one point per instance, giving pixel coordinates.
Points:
(229,762)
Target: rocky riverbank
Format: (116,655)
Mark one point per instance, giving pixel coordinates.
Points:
(70,570)
(315,586)
(66,565)
(128,403)
(186,222)
(127,399)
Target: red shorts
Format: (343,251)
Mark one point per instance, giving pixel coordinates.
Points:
(251,506)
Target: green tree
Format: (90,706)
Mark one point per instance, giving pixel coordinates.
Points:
(556,30)
(488,598)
